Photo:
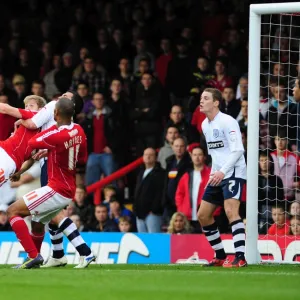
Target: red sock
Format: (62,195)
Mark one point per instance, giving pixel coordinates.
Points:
(38,240)
(21,230)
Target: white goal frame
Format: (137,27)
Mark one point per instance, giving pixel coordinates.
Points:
(256,11)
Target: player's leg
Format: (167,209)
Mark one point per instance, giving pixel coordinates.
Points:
(232,192)
(208,205)
(37,234)
(16,212)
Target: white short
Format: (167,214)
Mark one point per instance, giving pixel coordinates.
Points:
(7,168)
(44,204)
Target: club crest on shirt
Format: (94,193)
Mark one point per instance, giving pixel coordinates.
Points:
(215,133)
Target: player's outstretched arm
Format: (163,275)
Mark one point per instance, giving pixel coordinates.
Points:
(10,110)
(25,166)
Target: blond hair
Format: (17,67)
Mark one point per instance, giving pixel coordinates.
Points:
(186,227)
(40,101)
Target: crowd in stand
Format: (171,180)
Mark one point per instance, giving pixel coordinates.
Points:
(140,67)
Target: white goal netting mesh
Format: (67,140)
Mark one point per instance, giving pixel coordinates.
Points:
(279,168)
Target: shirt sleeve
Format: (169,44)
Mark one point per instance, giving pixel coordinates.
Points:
(44,115)
(26,114)
(45,140)
(233,135)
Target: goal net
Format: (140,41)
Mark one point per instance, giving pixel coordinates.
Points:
(273,199)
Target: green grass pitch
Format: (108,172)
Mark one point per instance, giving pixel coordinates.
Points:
(151,282)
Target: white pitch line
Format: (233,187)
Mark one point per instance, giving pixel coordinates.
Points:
(212,272)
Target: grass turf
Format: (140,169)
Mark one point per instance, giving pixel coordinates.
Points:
(155,282)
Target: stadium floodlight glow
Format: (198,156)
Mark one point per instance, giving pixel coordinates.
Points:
(256,13)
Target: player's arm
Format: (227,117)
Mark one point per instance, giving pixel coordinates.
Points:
(234,137)
(44,140)
(10,110)
(42,117)
(25,167)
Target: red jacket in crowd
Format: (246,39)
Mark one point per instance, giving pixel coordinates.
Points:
(183,192)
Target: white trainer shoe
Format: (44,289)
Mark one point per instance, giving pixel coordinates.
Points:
(55,262)
(84,261)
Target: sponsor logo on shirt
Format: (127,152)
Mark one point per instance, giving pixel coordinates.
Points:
(73,132)
(215,145)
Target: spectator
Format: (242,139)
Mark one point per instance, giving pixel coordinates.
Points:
(166,151)
(143,53)
(46,59)
(88,107)
(125,74)
(146,114)
(38,88)
(63,77)
(281,223)
(106,53)
(197,119)
(191,187)
(7,122)
(108,192)
(285,165)
(295,226)
(100,141)
(177,165)
(82,208)
(230,105)
(117,210)
(125,224)
(242,90)
(201,75)
(162,62)
(179,224)
(243,123)
(4,222)
(270,190)
(283,114)
(78,223)
(143,67)
(19,88)
(83,53)
(148,194)
(49,79)
(96,80)
(221,80)
(120,107)
(26,67)
(102,222)
(178,84)
(295,209)
(185,129)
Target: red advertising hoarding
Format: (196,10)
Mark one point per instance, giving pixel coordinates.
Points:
(280,248)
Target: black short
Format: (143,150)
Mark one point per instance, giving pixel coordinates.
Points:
(230,188)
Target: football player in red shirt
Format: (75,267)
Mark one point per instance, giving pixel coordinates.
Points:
(66,144)
(15,150)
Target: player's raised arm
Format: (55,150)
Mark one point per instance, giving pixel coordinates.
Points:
(10,110)
(234,137)
(42,117)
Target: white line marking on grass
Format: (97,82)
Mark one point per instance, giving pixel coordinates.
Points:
(212,272)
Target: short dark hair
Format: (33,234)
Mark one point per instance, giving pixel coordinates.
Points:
(81,187)
(78,102)
(65,107)
(38,81)
(101,206)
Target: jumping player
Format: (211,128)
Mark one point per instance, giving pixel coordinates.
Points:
(66,144)
(14,151)
(45,119)
(228,174)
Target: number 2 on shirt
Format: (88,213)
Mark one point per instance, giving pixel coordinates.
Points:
(73,154)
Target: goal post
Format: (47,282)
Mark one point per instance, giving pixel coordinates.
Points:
(256,12)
